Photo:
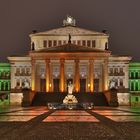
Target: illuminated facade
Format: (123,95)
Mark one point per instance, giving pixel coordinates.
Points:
(4,83)
(68,54)
(134,83)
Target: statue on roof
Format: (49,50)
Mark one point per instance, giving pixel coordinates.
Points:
(69,21)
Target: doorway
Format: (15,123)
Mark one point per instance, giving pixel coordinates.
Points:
(82,85)
(43,85)
(56,85)
(96,85)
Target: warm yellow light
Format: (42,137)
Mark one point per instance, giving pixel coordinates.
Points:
(88,85)
(50,85)
(33,86)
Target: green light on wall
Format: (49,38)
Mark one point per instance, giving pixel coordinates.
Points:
(4,83)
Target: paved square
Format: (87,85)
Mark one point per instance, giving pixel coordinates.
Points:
(100,123)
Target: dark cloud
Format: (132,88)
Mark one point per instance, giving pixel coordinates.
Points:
(18,18)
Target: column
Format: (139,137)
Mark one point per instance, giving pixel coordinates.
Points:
(47,75)
(33,75)
(77,84)
(91,75)
(105,75)
(62,75)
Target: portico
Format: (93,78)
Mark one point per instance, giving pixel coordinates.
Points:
(87,69)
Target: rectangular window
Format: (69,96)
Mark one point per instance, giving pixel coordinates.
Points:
(74,42)
(93,43)
(54,43)
(83,42)
(50,43)
(59,43)
(45,43)
(136,99)
(88,43)
(64,42)
(78,42)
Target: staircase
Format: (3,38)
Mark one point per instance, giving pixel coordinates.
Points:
(41,98)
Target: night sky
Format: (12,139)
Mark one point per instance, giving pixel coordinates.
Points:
(121,18)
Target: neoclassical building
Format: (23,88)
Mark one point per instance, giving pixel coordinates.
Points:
(69,53)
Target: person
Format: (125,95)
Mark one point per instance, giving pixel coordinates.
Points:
(70,88)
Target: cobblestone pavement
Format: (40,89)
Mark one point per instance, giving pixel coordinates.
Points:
(39,123)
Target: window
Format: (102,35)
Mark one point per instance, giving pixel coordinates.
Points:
(59,43)
(28,71)
(106,46)
(88,43)
(83,42)
(23,71)
(111,70)
(64,42)
(132,74)
(50,43)
(54,43)
(45,43)
(136,99)
(136,75)
(93,43)
(132,86)
(17,71)
(74,41)
(18,84)
(116,70)
(121,82)
(78,42)
(136,86)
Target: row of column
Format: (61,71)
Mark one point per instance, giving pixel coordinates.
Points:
(77,75)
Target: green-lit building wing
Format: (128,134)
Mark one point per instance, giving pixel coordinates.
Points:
(134,83)
(4,83)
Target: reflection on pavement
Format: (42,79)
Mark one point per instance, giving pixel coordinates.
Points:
(70,116)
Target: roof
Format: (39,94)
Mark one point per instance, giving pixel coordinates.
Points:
(70,48)
(73,30)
